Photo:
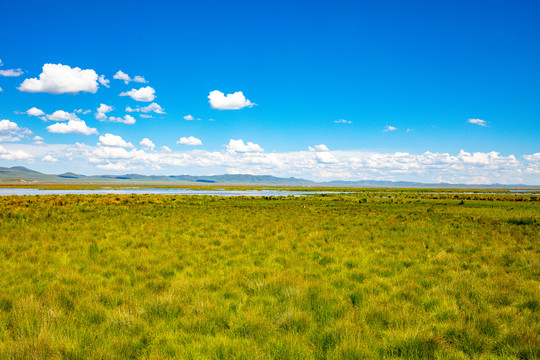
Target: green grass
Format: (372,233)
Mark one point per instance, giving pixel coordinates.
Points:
(355,276)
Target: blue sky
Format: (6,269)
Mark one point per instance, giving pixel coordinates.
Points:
(424,91)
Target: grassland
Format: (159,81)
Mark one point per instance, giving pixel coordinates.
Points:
(366,275)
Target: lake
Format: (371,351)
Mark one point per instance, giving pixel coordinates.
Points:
(158,191)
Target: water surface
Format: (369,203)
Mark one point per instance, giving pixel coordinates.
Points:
(158,191)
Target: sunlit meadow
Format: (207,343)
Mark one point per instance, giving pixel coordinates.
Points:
(365,275)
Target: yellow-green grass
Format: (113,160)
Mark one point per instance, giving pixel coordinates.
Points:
(355,276)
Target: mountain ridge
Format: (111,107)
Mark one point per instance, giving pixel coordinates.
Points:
(23,175)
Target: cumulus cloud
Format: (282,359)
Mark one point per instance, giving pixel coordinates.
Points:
(146,116)
(34,111)
(81,111)
(6,126)
(11,132)
(144,94)
(320,147)
(153,107)
(113,140)
(147,143)
(533,157)
(114,167)
(49,159)
(62,79)
(389,128)
(11,72)
(76,126)
(234,101)
(191,140)
(343,121)
(240,147)
(128,119)
(38,140)
(102,110)
(139,79)
(479,122)
(533,166)
(112,152)
(103,81)
(10,155)
(61,115)
(189,117)
(120,75)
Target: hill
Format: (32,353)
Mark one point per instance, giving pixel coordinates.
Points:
(23,175)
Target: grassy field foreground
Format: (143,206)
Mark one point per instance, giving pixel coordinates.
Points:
(320,277)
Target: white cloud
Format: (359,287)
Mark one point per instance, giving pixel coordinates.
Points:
(114,167)
(102,110)
(49,159)
(389,128)
(11,72)
(1,89)
(7,126)
(1,64)
(113,140)
(343,121)
(103,81)
(462,167)
(189,117)
(234,101)
(145,94)
(61,115)
(240,147)
(145,116)
(533,157)
(477,122)
(191,140)
(112,152)
(38,140)
(153,107)
(128,119)
(120,75)
(11,131)
(140,79)
(35,112)
(11,155)
(320,147)
(101,116)
(166,149)
(72,127)
(326,158)
(147,143)
(81,111)
(62,79)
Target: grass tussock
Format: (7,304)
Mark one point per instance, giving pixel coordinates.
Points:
(353,276)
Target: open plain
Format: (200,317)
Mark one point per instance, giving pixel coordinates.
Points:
(364,275)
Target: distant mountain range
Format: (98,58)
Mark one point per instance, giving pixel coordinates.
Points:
(22,175)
